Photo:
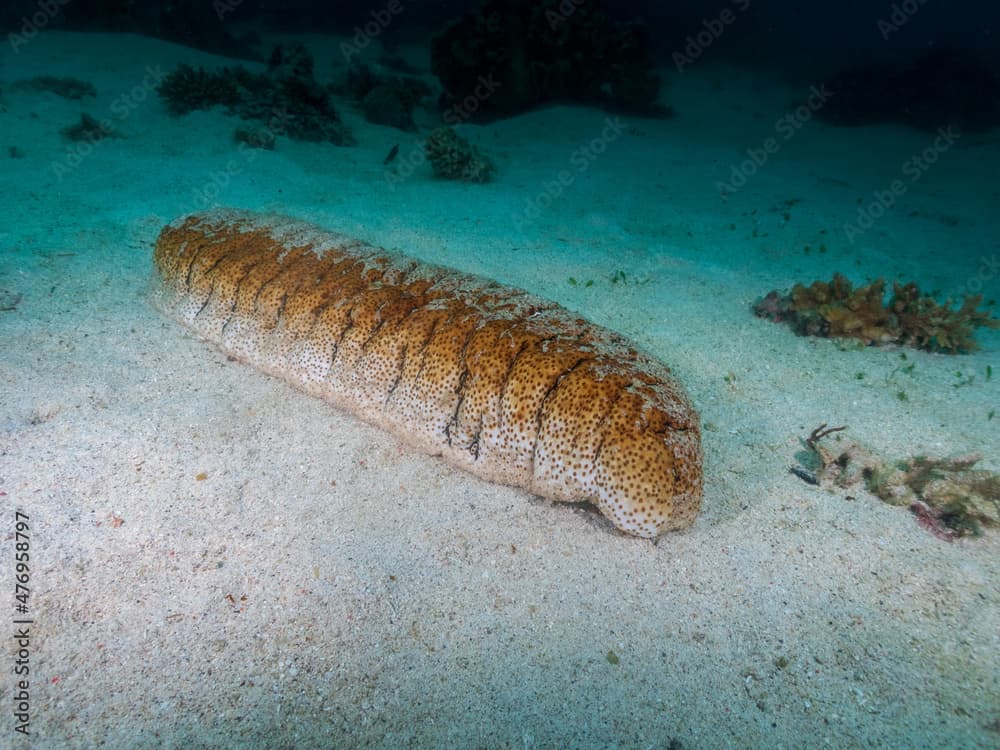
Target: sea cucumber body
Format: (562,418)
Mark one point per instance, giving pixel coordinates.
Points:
(508,386)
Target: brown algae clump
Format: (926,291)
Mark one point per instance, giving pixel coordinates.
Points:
(836,309)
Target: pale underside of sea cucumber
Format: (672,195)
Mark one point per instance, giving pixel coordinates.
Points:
(506,385)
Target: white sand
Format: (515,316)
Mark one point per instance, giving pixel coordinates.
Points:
(324,587)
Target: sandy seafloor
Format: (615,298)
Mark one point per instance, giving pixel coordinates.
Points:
(323,586)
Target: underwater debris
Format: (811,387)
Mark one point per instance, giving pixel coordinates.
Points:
(287,98)
(836,309)
(821,432)
(90,130)
(949,497)
(454,158)
(186,89)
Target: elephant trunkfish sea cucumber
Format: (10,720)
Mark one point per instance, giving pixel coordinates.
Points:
(496,381)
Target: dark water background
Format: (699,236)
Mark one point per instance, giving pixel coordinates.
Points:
(798,37)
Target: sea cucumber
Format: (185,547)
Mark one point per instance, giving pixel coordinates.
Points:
(496,381)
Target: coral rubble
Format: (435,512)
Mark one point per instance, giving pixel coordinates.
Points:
(454,158)
(949,497)
(287,97)
(837,309)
